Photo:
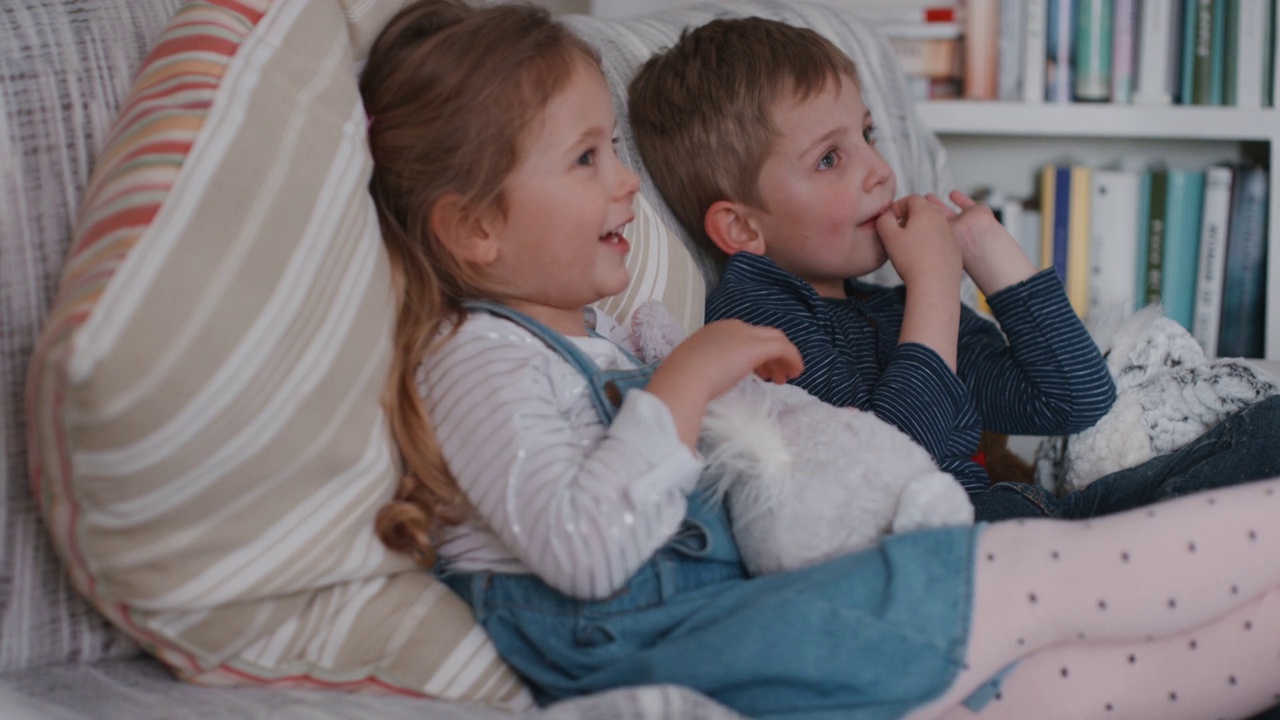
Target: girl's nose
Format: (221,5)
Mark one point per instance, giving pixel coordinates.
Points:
(628,182)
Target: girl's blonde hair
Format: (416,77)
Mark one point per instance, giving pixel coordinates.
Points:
(449,90)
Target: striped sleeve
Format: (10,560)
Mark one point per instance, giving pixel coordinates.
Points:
(1049,378)
(580,504)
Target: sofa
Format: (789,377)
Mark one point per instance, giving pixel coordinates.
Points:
(194,321)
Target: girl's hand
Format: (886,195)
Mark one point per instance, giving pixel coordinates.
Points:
(918,240)
(714,359)
(989,253)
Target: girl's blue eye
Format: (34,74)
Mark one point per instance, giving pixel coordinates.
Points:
(827,161)
(869,134)
(587,158)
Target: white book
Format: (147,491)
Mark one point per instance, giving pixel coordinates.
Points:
(1159,36)
(1113,246)
(1029,237)
(1253,19)
(1033,52)
(1013,31)
(1207,312)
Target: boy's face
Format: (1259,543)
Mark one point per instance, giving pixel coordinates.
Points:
(824,185)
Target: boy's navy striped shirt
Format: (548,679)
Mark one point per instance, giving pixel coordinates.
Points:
(1043,375)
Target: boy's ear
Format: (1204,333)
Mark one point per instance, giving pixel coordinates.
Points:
(731,226)
(467,233)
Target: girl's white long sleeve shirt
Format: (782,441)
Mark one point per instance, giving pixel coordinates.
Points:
(554,491)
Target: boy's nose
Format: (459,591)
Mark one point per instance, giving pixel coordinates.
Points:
(878,172)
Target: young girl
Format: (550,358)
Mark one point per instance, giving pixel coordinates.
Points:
(552,477)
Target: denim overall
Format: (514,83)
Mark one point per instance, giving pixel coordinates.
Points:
(868,635)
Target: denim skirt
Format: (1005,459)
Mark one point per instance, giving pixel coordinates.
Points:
(868,635)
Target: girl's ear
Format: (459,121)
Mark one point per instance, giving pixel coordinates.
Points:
(467,234)
(731,227)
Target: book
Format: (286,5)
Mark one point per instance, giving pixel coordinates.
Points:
(1091,55)
(1203,40)
(1058,45)
(1153,280)
(1230,44)
(1211,263)
(1242,323)
(1055,214)
(1124,45)
(1157,69)
(1034,51)
(1113,232)
(1013,34)
(1140,257)
(1184,200)
(1078,212)
(981,49)
(1029,237)
(1250,52)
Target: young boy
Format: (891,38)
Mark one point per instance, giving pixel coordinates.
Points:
(756,134)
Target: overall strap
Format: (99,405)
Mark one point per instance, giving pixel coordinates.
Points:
(606,392)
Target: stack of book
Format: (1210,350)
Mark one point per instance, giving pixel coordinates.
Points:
(1120,239)
(927,40)
(1192,52)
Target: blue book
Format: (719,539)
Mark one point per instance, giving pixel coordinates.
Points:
(1184,201)
(1244,285)
(1061,219)
(1059,45)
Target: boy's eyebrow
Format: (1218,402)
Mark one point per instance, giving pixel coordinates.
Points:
(826,138)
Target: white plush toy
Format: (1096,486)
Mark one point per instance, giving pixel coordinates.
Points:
(803,480)
(1167,394)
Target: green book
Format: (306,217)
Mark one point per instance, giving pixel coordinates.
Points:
(1203,39)
(1092,52)
(1153,282)
(1184,201)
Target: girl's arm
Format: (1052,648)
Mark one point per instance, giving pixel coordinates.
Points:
(580,504)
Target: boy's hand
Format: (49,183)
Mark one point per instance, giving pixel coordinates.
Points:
(919,242)
(923,251)
(989,253)
(714,359)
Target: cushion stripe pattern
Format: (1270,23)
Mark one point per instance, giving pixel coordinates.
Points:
(209,449)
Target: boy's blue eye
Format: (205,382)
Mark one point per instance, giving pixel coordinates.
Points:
(827,161)
(869,134)
(587,158)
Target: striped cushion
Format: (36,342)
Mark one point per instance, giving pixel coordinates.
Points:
(208,446)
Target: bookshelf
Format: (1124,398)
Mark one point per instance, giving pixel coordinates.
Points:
(1003,144)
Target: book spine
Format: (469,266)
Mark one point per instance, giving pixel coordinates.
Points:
(1092,52)
(1250,51)
(1197,41)
(1034,52)
(1140,257)
(1113,231)
(1059,38)
(1211,263)
(1048,205)
(1230,43)
(1244,282)
(1156,21)
(981,49)
(1154,281)
(1061,219)
(1124,44)
(1077,243)
(1013,23)
(1184,200)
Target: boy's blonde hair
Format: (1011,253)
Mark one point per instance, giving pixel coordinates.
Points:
(450,91)
(702,110)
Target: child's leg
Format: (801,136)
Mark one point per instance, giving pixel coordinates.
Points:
(1125,579)
(1227,669)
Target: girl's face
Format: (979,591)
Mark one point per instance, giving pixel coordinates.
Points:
(824,184)
(560,244)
